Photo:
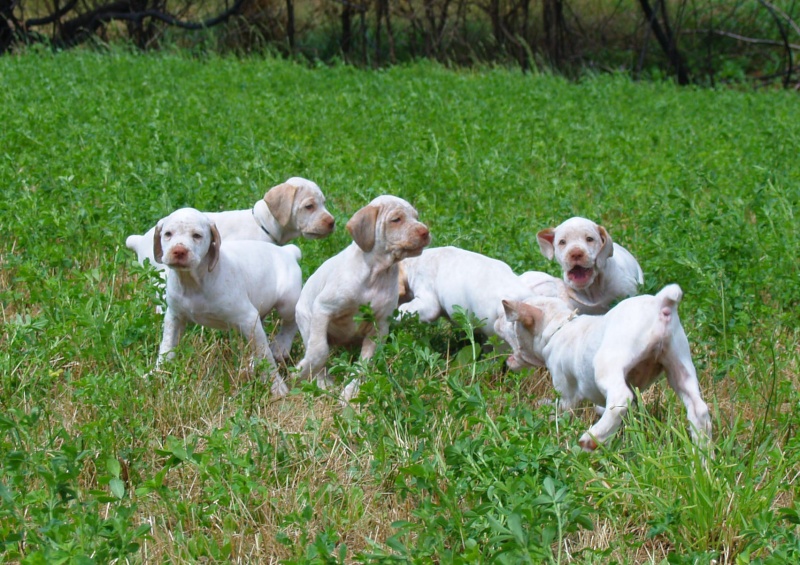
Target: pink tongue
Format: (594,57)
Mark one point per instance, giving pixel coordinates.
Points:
(579,273)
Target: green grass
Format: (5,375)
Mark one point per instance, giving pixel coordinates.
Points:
(447,458)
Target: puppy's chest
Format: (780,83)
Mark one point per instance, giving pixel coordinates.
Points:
(381,298)
(200,309)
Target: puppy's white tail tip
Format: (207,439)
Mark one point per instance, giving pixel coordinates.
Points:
(669,297)
(132,241)
(295,251)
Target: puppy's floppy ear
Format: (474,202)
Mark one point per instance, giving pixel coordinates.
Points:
(213,249)
(362,227)
(607,249)
(527,315)
(546,237)
(279,200)
(158,252)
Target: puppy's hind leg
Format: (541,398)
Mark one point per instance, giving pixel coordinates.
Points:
(611,383)
(316,352)
(682,377)
(282,344)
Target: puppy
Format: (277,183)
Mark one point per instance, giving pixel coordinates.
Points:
(600,358)
(226,286)
(365,273)
(441,278)
(597,272)
(287,211)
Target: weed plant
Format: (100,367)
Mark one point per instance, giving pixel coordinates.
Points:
(445,456)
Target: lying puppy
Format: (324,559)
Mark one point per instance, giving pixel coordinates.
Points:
(599,358)
(384,232)
(226,286)
(441,278)
(597,272)
(287,211)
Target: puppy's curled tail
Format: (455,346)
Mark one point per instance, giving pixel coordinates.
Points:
(132,242)
(294,250)
(668,299)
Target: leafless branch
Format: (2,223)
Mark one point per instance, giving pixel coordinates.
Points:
(738,37)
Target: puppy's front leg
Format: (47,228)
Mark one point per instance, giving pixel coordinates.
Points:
(426,306)
(174,326)
(255,331)
(368,346)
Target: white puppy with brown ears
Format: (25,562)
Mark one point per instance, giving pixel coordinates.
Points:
(597,272)
(600,358)
(226,286)
(364,273)
(287,211)
(441,278)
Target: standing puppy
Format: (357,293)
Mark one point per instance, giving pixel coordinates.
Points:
(596,271)
(224,287)
(441,278)
(365,273)
(599,358)
(287,211)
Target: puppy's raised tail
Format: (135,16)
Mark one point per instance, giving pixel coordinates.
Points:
(295,251)
(668,299)
(132,242)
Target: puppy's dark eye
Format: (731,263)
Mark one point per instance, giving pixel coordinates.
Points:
(589,239)
(562,241)
(309,207)
(197,236)
(396,220)
(167,234)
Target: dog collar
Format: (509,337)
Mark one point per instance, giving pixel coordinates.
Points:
(572,316)
(263,228)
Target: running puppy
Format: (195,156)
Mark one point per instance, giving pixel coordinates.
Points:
(441,278)
(600,358)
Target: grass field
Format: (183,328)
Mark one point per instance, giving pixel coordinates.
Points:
(446,458)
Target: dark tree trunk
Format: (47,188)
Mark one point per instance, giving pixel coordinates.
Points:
(554,30)
(362,18)
(347,29)
(494,17)
(524,49)
(7,25)
(290,24)
(666,40)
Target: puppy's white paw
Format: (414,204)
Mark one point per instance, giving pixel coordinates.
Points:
(324,382)
(587,443)
(349,392)
(279,388)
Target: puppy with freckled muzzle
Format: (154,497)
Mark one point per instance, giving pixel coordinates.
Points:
(226,286)
(596,271)
(384,232)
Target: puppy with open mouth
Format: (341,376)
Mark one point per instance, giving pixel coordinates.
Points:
(596,271)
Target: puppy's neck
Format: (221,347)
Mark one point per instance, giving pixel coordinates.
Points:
(187,279)
(191,279)
(555,321)
(279,234)
(379,264)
